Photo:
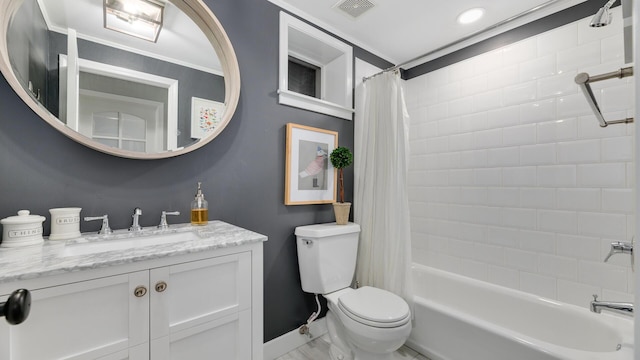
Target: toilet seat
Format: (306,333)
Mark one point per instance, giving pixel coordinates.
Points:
(374,307)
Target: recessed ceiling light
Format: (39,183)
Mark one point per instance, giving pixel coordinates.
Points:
(471,15)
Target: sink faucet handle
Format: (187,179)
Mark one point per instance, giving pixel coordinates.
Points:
(105,229)
(163,218)
(595,297)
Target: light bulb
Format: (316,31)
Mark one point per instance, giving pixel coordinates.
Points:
(471,15)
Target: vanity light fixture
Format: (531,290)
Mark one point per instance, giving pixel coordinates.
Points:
(139,18)
(471,15)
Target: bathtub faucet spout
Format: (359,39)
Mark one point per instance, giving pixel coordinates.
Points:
(619,247)
(623,308)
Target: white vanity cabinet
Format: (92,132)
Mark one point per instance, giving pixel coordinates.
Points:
(202,305)
(202,309)
(81,320)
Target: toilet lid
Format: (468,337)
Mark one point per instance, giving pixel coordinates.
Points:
(375,307)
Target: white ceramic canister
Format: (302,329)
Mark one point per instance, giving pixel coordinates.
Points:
(22,230)
(65,223)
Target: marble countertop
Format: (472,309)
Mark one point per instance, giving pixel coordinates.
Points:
(93,251)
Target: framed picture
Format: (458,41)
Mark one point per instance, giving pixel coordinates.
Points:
(205,116)
(310,178)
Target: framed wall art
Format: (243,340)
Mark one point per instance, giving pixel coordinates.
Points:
(310,178)
(205,116)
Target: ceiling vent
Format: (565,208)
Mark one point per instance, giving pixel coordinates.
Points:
(355,8)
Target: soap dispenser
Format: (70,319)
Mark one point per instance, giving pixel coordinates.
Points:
(199,208)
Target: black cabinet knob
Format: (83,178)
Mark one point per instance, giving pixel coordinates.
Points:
(16,308)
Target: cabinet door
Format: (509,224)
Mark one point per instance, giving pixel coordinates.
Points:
(195,293)
(84,320)
(227,338)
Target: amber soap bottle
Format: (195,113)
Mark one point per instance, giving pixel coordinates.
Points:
(199,208)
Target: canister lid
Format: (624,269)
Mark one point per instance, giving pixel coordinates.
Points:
(65,210)
(23,217)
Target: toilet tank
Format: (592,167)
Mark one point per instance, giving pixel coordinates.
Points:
(327,256)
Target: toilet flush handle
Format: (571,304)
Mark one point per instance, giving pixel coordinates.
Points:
(307,242)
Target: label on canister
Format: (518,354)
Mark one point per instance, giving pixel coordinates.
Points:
(25,232)
(70,219)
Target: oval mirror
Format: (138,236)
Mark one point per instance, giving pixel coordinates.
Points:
(142,79)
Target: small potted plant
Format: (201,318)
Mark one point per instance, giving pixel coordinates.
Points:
(341,157)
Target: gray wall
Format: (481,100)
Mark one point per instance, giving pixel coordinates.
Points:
(242,170)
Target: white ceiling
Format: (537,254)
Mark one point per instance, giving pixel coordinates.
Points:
(396,30)
(401,30)
(180,40)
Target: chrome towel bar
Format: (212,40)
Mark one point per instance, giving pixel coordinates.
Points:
(583,80)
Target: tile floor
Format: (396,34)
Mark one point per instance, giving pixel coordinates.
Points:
(318,349)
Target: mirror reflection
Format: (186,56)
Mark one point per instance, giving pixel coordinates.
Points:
(137,75)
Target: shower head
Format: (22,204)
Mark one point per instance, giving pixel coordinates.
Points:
(603,16)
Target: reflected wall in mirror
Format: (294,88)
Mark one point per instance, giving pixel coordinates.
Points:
(111,90)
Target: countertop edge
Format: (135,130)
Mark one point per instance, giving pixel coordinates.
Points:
(32,262)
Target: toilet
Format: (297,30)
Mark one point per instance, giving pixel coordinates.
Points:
(365,323)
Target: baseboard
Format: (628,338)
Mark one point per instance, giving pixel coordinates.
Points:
(281,345)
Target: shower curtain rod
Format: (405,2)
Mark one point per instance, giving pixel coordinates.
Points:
(480,32)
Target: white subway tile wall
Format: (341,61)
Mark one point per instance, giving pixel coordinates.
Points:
(512,181)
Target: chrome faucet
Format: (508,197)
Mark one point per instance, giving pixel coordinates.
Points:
(163,219)
(619,247)
(623,308)
(135,226)
(105,229)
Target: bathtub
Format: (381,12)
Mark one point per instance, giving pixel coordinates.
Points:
(458,318)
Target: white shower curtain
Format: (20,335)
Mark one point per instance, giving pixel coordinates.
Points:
(381,204)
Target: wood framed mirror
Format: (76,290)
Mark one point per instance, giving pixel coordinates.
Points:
(118,93)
